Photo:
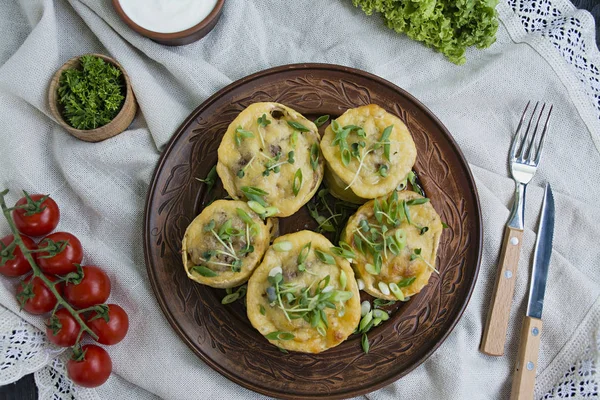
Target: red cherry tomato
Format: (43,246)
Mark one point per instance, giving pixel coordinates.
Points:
(39,218)
(62,329)
(62,259)
(113,331)
(35,297)
(93,289)
(14,263)
(93,370)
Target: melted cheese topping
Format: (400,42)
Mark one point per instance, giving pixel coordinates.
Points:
(306,338)
(398,267)
(369,184)
(196,242)
(251,154)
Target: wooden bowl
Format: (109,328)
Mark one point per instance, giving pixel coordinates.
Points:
(187,36)
(114,127)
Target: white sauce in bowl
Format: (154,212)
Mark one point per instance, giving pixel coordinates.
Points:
(167,16)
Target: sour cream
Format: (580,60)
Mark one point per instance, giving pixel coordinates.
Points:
(167,16)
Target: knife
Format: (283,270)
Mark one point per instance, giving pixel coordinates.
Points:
(527,357)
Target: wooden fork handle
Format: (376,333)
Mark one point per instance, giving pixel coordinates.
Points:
(527,358)
(494,333)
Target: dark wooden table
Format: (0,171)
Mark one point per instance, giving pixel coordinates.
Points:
(25,388)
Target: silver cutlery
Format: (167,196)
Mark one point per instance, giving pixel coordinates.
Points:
(527,357)
(524,158)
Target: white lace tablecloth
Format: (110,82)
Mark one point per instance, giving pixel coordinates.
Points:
(562,35)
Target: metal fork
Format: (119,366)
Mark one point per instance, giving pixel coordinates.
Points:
(523,157)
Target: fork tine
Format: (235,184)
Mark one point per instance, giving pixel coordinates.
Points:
(526,135)
(527,155)
(538,154)
(513,145)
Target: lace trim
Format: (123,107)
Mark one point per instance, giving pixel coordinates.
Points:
(23,348)
(53,383)
(564,29)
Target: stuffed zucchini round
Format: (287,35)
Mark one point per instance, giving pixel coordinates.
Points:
(270,155)
(303,297)
(224,244)
(368,151)
(395,240)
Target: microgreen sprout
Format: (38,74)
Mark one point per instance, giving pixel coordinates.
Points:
(358,149)
(211,179)
(414,182)
(241,134)
(416,255)
(306,302)
(242,172)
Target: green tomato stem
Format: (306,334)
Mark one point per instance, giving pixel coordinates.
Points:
(37,272)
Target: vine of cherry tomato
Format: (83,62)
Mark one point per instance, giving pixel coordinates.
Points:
(14,263)
(93,369)
(65,258)
(35,297)
(94,288)
(85,288)
(112,331)
(62,329)
(39,217)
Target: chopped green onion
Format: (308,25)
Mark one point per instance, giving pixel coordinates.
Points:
(417,201)
(278,335)
(297,183)
(282,246)
(321,120)
(256,207)
(314,156)
(298,126)
(262,310)
(364,322)
(371,269)
(385,137)
(365,307)
(383,288)
(364,341)
(244,216)
(396,291)
(341,295)
(326,258)
(204,271)
(294,139)
(304,253)
(407,281)
(255,194)
(343,279)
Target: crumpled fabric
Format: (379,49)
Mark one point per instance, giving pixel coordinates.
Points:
(101,187)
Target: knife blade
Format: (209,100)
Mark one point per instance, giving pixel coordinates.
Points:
(541,256)
(527,357)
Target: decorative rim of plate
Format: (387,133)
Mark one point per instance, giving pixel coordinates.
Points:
(477,221)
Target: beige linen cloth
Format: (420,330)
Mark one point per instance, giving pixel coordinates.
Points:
(101,187)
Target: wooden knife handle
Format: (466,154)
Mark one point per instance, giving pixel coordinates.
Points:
(527,358)
(494,333)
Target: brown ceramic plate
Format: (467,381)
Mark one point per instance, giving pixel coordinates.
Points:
(222,335)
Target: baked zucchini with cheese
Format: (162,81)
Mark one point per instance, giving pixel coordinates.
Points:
(395,240)
(303,296)
(270,156)
(368,151)
(224,244)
